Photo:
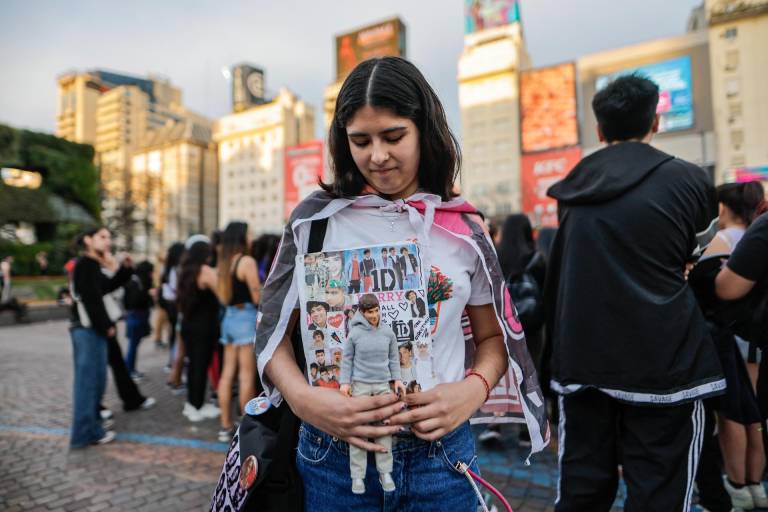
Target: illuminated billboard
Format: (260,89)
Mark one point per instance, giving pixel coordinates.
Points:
(538,172)
(675,90)
(548,111)
(384,39)
(303,171)
(483,14)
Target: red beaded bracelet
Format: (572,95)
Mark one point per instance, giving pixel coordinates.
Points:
(485,382)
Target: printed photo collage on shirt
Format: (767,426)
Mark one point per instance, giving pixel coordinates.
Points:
(333,283)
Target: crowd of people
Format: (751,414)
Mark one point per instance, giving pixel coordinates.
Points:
(638,324)
(201,306)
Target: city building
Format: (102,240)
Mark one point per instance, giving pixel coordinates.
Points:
(386,38)
(488,77)
(174,185)
(115,113)
(680,65)
(738,43)
(251,148)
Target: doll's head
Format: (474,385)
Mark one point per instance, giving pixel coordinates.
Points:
(369,305)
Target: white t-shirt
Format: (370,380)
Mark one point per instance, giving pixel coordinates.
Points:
(456,268)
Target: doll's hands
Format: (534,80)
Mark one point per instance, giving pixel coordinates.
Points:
(399,388)
(348,418)
(346,390)
(440,410)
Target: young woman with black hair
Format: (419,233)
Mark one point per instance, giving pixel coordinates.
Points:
(91,325)
(199,310)
(239,289)
(395,162)
(167,300)
(739,420)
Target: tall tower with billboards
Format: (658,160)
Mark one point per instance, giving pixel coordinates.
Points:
(494,53)
(385,38)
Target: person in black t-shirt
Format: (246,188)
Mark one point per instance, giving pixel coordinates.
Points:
(748,265)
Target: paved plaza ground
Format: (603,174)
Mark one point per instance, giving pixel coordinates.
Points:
(160,461)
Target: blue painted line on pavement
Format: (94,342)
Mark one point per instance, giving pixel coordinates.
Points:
(126,436)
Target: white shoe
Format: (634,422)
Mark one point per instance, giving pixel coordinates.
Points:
(740,498)
(386,482)
(148,403)
(108,437)
(210,411)
(758,495)
(106,414)
(358,486)
(192,413)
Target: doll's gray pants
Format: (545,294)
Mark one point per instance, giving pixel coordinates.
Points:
(358,458)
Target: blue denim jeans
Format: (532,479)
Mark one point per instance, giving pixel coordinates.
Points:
(239,324)
(90,356)
(136,328)
(423,472)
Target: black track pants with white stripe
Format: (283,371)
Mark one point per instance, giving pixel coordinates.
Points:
(657,447)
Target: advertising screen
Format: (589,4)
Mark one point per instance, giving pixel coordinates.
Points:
(483,14)
(548,111)
(379,40)
(675,90)
(303,170)
(538,172)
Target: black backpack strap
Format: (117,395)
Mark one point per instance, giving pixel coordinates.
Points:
(281,476)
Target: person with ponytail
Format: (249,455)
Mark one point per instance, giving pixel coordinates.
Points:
(239,288)
(739,418)
(92,323)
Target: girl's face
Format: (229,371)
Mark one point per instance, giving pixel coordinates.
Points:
(100,242)
(385,148)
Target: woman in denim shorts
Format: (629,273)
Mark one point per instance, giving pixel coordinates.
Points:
(394,163)
(239,289)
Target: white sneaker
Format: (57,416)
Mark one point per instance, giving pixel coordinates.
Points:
(740,498)
(386,482)
(210,411)
(192,413)
(758,495)
(106,414)
(148,403)
(108,437)
(358,486)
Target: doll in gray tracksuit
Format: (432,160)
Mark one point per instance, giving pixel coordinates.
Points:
(370,366)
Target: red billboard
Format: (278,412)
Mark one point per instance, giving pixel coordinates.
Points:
(538,172)
(385,39)
(548,112)
(303,171)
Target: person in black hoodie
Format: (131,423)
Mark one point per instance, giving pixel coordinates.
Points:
(632,356)
(91,324)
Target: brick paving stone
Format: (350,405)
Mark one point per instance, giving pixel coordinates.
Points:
(38,471)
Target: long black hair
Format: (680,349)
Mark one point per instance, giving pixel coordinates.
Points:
(191,262)
(745,200)
(172,260)
(79,241)
(396,85)
(516,247)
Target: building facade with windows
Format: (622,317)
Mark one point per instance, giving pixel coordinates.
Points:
(251,148)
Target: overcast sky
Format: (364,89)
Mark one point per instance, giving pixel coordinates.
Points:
(190,41)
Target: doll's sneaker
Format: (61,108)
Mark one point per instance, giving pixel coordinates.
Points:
(386,482)
(758,495)
(358,486)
